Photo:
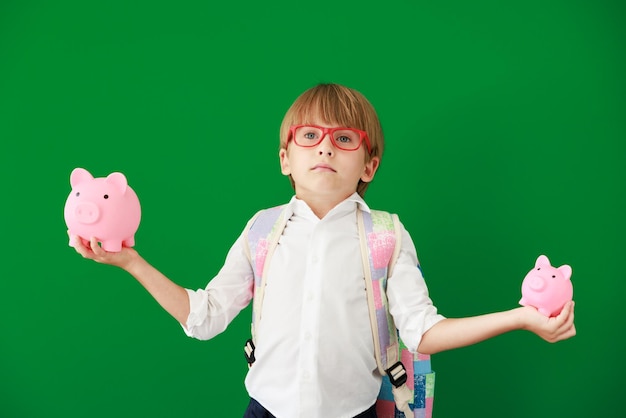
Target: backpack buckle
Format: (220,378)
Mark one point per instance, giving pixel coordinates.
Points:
(397,374)
(249,352)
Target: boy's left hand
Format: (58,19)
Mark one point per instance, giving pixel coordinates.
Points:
(551,329)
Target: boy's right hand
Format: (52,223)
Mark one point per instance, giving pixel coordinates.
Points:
(93,251)
(551,329)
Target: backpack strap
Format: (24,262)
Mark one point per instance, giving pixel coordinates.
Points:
(263,235)
(378,244)
(380,235)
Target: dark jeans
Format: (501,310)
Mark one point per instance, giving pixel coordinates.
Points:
(256,410)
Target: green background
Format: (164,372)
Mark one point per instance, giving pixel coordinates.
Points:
(506,139)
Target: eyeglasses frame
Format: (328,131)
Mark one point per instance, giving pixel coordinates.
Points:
(329,131)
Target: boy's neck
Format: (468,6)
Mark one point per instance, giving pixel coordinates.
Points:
(321,205)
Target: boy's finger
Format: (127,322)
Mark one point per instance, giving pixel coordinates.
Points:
(97,250)
(77,243)
(565,312)
(567,319)
(570,312)
(81,249)
(570,315)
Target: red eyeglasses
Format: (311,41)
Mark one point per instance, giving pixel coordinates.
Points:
(347,139)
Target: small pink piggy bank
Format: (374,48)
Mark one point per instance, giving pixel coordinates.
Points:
(547,288)
(105,208)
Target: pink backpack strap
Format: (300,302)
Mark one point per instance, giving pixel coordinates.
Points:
(263,235)
(408,383)
(378,244)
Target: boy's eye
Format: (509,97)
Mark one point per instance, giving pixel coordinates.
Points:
(310,135)
(343,139)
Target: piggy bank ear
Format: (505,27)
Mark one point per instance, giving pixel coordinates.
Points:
(79,175)
(542,261)
(118,180)
(566,271)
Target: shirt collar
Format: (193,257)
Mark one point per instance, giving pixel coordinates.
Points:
(300,207)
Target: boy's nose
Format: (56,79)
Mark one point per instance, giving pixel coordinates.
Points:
(326,147)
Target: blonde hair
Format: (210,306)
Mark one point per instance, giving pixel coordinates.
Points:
(334,104)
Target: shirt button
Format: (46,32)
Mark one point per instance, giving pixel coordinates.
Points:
(307,336)
(306,375)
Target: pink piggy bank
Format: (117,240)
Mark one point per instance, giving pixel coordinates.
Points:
(105,208)
(547,288)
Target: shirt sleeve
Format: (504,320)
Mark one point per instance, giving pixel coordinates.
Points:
(409,303)
(214,307)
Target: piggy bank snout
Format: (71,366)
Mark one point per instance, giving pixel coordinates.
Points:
(536,283)
(87,212)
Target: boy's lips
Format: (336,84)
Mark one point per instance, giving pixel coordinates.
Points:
(323,167)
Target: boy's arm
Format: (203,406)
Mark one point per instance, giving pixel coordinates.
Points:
(460,332)
(172,297)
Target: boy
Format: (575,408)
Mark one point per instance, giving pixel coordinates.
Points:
(314,347)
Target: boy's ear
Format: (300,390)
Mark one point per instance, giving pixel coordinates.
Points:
(370,169)
(284,162)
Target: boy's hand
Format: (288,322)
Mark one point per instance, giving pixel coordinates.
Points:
(551,329)
(93,251)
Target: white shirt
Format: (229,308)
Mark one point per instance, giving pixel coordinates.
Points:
(314,346)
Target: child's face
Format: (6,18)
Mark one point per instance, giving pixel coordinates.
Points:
(325,171)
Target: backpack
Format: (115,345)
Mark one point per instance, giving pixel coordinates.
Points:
(408,384)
